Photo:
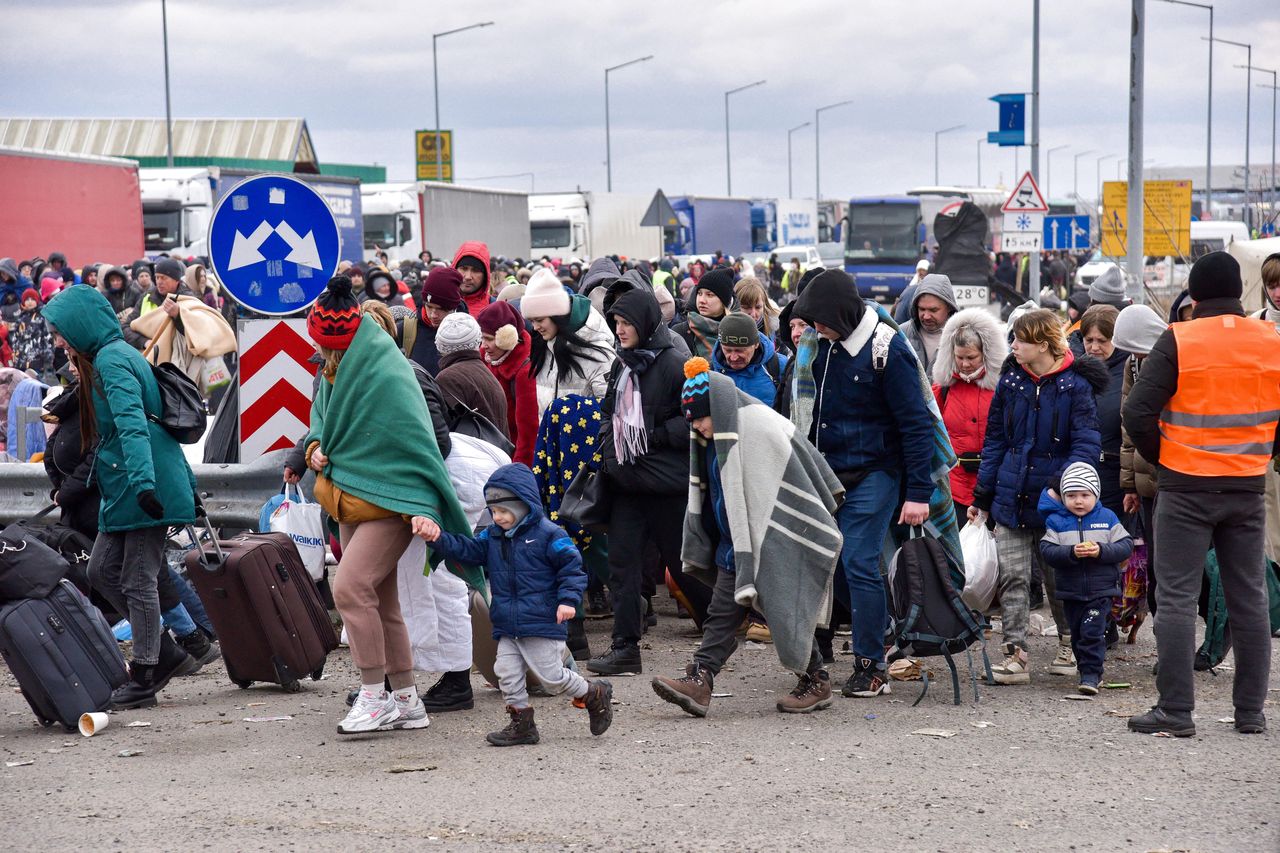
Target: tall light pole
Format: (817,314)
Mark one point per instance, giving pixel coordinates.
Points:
(1075,174)
(1272,87)
(728,163)
(1048,169)
(1208,145)
(1137,185)
(790,194)
(1248,112)
(1033,265)
(435,84)
(981,139)
(936,134)
(168,114)
(817,147)
(608,150)
(1097,175)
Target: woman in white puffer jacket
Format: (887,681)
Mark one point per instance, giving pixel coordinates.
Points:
(572,346)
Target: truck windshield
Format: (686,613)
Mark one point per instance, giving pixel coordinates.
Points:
(550,234)
(162,229)
(880,232)
(380,230)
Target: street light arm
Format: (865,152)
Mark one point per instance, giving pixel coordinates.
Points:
(1186,3)
(632,62)
(799,127)
(462,29)
(744,88)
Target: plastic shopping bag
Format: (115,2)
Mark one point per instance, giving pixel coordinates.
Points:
(981,569)
(301,520)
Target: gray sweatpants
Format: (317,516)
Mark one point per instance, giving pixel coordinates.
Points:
(1016,549)
(543,657)
(1190,523)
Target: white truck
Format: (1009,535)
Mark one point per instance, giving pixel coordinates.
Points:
(588,224)
(403,219)
(178,203)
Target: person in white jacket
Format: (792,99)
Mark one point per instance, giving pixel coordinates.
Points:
(572,349)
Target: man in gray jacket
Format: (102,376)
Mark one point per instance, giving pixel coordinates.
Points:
(933,304)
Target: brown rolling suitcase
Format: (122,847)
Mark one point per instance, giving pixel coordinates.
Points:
(265,608)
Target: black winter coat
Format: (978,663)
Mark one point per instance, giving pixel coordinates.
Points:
(70,470)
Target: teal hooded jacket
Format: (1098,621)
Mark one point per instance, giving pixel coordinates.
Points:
(135,454)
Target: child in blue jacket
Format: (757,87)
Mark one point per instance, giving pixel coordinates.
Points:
(537,581)
(1085,543)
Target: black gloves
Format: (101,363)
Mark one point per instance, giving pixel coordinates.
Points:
(151,506)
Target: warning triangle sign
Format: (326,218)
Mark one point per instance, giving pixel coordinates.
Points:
(1026,197)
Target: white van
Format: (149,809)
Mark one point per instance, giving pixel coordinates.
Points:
(1214,235)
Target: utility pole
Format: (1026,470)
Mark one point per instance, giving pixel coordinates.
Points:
(1248,120)
(817,146)
(790,194)
(1208,145)
(168,114)
(1137,38)
(608,148)
(435,85)
(1033,263)
(728,163)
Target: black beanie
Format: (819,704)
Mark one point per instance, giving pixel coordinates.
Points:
(1215,276)
(720,282)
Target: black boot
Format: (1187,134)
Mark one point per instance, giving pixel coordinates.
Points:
(597,605)
(451,693)
(577,642)
(200,648)
(1036,595)
(139,691)
(174,662)
(599,705)
(650,618)
(622,659)
(519,732)
(1176,723)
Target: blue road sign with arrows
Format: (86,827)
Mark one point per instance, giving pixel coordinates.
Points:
(273,243)
(1066,232)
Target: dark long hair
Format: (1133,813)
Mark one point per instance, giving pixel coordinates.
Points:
(88,417)
(569,350)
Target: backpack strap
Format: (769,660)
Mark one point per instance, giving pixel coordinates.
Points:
(771,368)
(880,340)
(409,334)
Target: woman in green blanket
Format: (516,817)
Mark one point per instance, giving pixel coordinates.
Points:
(373,490)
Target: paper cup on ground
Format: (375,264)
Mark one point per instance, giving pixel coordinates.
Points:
(93,722)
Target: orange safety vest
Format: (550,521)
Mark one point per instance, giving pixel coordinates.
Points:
(1221,422)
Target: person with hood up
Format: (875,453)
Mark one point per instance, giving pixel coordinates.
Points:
(748,358)
(713,299)
(382,286)
(31,342)
(573,348)
(143,479)
(536,576)
(1042,418)
(506,345)
(644,447)
(440,296)
(870,421)
(197,281)
(931,307)
(140,271)
(464,379)
(472,262)
(902,308)
(120,292)
(12,281)
(50,285)
(965,374)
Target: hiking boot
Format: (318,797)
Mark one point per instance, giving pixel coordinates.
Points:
(1176,723)
(370,713)
(1088,685)
(1065,662)
(597,606)
(520,731)
(1250,722)
(413,713)
(758,632)
(811,693)
(621,659)
(201,649)
(577,642)
(692,693)
(1015,668)
(451,693)
(868,680)
(599,705)
(138,692)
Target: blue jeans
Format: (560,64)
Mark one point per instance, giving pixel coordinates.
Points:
(864,522)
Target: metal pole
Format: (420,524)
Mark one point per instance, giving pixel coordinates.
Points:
(789,132)
(1075,178)
(936,135)
(1271,190)
(608,151)
(817,147)
(435,86)
(1033,264)
(1208,145)
(1048,170)
(979,161)
(728,167)
(1247,117)
(1137,37)
(168,113)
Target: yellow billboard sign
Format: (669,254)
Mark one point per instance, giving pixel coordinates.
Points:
(1166,220)
(425,145)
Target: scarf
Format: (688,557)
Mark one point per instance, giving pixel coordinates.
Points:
(639,360)
(705,333)
(972,377)
(631,439)
(1272,315)
(804,390)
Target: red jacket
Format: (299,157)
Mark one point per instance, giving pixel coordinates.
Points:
(964,413)
(522,399)
(480,252)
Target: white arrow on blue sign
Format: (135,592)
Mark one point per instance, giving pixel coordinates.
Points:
(274,244)
(1066,232)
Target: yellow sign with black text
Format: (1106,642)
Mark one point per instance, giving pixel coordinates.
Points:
(425,147)
(1166,218)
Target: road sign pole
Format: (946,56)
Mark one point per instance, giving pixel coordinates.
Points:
(1033,263)
(1135,224)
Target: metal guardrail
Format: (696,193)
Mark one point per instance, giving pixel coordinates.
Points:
(232,494)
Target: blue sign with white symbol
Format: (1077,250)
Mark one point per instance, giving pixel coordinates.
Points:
(1013,113)
(273,244)
(1066,232)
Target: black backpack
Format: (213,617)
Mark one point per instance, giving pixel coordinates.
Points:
(182,411)
(929,617)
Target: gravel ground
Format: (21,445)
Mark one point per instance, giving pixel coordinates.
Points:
(1026,769)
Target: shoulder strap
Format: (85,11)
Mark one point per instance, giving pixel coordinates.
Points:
(771,368)
(880,340)
(409,334)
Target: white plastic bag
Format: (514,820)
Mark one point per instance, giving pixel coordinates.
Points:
(301,520)
(981,567)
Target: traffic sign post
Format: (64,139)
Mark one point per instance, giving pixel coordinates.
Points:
(276,376)
(1026,197)
(273,244)
(1066,232)
(1166,220)
(425,144)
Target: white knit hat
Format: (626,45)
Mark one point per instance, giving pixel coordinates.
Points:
(457,332)
(544,296)
(1081,477)
(1137,329)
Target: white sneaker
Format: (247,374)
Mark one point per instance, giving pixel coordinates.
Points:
(1014,669)
(370,714)
(1064,663)
(413,715)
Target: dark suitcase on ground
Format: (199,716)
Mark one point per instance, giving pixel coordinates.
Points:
(264,607)
(62,653)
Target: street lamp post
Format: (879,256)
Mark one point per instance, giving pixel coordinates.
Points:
(936,134)
(728,164)
(1075,176)
(817,147)
(790,194)
(1097,175)
(980,141)
(1272,87)
(1248,112)
(435,83)
(1048,169)
(168,115)
(1208,145)
(608,150)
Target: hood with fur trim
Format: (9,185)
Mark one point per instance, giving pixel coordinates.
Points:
(1091,370)
(994,348)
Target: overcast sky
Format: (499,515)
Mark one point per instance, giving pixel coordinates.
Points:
(527,94)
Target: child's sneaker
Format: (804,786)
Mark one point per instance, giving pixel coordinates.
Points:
(1065,662)
(1015,668)
(599,705)
(413,713)
(867,680)
(370,713)
(1088,685)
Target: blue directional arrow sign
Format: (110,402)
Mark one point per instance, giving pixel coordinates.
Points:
(273,243)
(1066,232)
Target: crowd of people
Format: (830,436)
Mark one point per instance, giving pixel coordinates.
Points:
(727,431)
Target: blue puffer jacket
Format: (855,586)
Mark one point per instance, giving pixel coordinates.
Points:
(533,568)
(1035,429)
(1093,577)
(754,379)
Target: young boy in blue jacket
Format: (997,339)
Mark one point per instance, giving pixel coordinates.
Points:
(1085,543)
(536,580)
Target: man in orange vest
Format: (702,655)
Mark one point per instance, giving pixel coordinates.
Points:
(1206,410)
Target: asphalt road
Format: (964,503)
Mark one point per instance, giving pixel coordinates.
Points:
(1042,774)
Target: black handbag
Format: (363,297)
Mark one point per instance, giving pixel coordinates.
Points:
(587,502)
(465,420)
(28,567)
(181,406)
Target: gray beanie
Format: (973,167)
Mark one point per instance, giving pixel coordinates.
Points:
(1137,329)
(1108,289)
(171,267)
(738,330)
(457,333)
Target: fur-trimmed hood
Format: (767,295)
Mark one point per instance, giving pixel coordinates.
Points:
(1091,370)
(994,348)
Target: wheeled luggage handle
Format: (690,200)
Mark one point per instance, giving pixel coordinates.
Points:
(203,515)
